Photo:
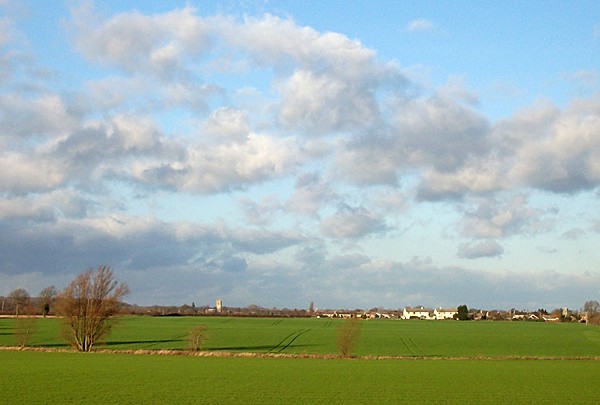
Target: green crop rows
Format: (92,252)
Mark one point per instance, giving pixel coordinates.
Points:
(448,362)
(378,338)
(34,377)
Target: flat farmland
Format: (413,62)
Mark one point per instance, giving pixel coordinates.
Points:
(435,362)
(67,378)
(437,339)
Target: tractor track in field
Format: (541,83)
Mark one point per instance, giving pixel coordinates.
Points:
(418,350)
(288,340)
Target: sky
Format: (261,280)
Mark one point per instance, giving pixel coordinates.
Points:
(278,153)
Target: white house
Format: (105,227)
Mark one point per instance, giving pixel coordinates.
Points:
(416,313)
(445,313)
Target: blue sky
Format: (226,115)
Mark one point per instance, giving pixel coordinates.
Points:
(277,153)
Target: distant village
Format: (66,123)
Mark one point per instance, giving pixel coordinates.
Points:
(406,313)
(38,306)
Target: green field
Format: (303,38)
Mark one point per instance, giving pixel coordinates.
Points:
(318,336)
(33,377)
(448,363)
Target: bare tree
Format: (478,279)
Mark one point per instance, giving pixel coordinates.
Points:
(348,334)
(591,306)
(592,310)
(87,306)
(47,295)
(20,297)
(197,337)
(25,328)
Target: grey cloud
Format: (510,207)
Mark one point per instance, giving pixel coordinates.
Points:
(235,264)
(440,132)
(126,242)
(330,281)
(358,281)
(427,135)
(370,160)
(573,234)
(260,242)
(46,207)
(496,219)
(224,261)
(311,193)
(312,256)
(352,222)
(487,248)
(260,213)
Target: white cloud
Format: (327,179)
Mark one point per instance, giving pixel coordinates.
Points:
(565,157)
(223,167)
(420,25)
(324,103)
(46,115)
(487,248)
(584,80)
(20,173)
(297,131)
(273,41)
(228,123)
(135,42)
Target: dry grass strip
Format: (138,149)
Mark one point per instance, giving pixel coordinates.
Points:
(164,352)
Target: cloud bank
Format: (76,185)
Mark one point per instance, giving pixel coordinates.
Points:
(315,145)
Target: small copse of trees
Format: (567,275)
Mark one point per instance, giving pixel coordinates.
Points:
(463,313)
(592,311)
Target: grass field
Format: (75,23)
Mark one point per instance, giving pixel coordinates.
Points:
(445,364)
(34,377)
(378,338)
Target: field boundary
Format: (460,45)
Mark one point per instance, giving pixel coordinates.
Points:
(164,352)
